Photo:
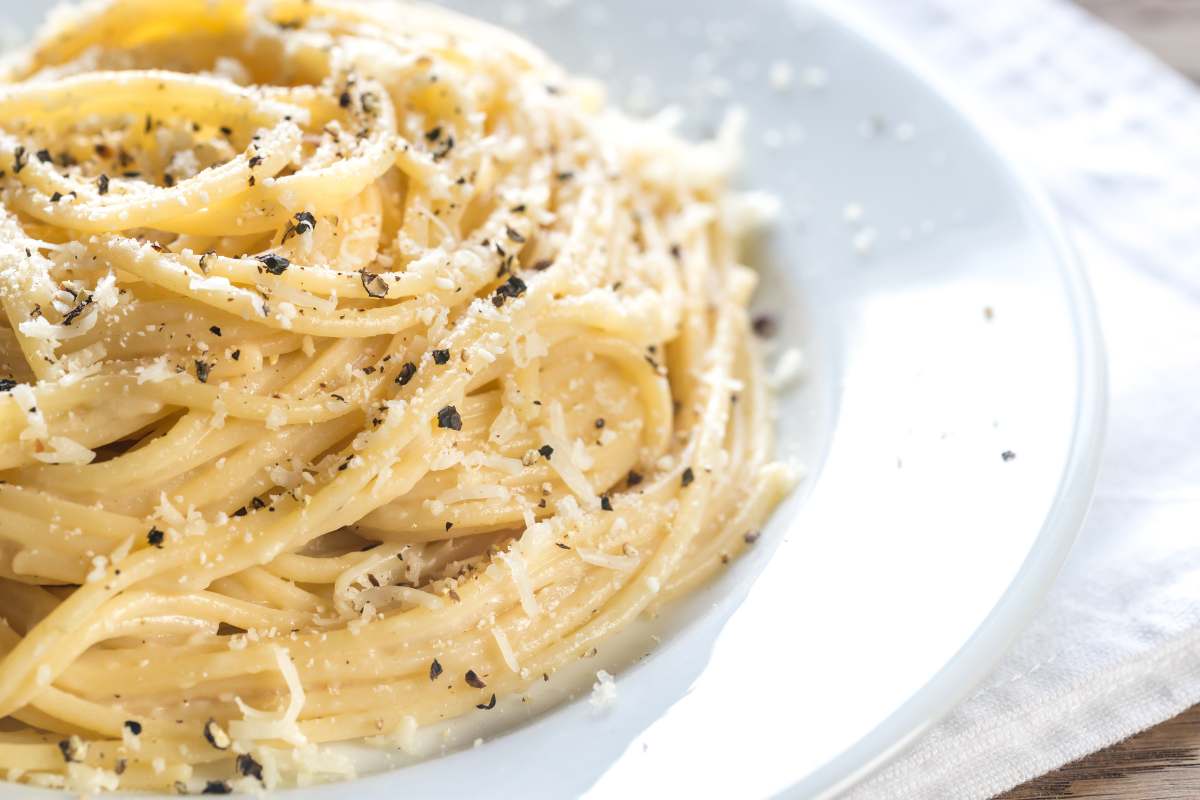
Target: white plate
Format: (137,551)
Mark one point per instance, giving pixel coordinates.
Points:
(889,584)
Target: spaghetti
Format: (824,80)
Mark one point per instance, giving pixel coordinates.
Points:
(359,369)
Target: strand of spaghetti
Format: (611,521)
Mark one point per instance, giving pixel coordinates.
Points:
(16,674)
(551,566)
(636,595)
(120,25)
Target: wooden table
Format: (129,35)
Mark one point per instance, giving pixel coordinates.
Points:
(1164,762)
(1170,28)
(1161,764)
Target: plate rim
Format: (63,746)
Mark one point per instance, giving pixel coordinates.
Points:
(1031,583)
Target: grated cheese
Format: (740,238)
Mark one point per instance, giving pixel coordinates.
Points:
(90,780)
(561,462)
(130,741)
(35,423)
(520,576)
(276,418)
(864,241)
(604,692)
(506,651)
(779,75)
(155,372)
(259,725)
(65,451)
(606,560)
(788,370)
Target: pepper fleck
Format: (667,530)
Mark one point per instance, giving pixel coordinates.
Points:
(489,705)
(633,478)
(546,451)
(103,184)
(376,286)
(305,222)
(449,417)
(513,287)
(765,326)
(155,538)
(71,315)
(435,669)
(688,477)
(473,680)
(406,373)
(605,503)
(248,767)
(446,148)
(274,264)
(441,356)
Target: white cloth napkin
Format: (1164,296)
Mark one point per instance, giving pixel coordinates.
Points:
(1113,134)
